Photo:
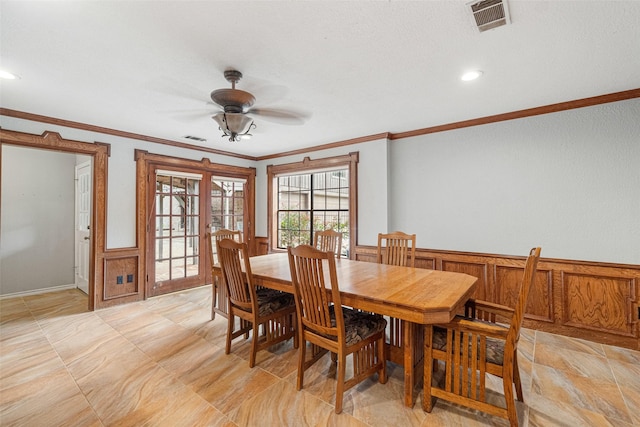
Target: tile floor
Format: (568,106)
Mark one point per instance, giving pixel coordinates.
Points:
(161,362)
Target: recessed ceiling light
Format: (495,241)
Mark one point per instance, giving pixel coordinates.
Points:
(471,75)
(7,75)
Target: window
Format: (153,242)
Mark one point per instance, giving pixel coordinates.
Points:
(310,202)
(313,195)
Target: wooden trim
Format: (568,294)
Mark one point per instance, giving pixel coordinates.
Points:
(100,154)
(108,131)
(344,143)
(349,160)
(558,301)
(552,108)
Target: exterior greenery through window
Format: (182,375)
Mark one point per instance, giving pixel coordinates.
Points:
(312,201)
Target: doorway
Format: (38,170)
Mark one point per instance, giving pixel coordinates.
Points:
(82,233)
(181,200)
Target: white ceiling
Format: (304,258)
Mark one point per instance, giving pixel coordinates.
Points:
(353,68)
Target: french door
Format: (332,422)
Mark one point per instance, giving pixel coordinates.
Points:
(182,206)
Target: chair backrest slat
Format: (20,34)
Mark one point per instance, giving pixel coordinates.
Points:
(396,248)
(214,236)
(328,241)
(309,278)
(239,284)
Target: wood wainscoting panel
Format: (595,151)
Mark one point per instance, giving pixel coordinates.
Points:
(599,303)
(540,301)
(483,290)
(122,272)
(595,301)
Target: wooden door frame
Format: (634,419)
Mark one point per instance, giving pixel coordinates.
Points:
(100,153)
(146,162)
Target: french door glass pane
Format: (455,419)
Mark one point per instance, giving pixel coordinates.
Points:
(227,206)
(177,219)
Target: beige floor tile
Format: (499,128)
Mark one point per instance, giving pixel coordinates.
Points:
(622,354)
(48,400)
(383,404)
(282,405)
(195,412)
(567,343)
(595,395)
(280,359)
(28,364)
(545,412)
(574,362)
(221,378)
(628,379)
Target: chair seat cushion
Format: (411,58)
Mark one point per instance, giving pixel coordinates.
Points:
(270,301)
(358,326)
(494,351)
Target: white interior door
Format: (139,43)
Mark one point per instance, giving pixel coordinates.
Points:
(83,222)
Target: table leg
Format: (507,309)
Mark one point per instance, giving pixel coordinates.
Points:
(427,404)
(407,343)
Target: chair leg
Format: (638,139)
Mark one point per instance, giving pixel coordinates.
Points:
(214,289)
(254,346)
(231,323)
(508,396)
(516,378)
(340,386)
(301,358)
(296,338)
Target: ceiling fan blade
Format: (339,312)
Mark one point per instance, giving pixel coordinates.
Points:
(280,116)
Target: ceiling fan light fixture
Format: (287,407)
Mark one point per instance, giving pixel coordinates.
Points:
(236,126)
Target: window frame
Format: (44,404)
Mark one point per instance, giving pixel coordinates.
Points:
(307,165)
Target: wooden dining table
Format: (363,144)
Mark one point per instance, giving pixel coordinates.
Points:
(417,296)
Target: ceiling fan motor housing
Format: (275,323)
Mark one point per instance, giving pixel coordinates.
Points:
(233,100)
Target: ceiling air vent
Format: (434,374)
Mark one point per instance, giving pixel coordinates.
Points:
(195,138)
(488,14)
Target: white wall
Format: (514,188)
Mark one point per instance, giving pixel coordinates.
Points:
(568,181)
(37,222)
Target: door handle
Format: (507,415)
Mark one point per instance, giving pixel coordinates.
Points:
(87,238)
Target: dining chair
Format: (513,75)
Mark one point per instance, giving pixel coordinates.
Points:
(328,241)
(328,326)
(219,296)
(396,248)
(483,341)
(274,310)
(399,248)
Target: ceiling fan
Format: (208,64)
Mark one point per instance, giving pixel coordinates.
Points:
(233,121)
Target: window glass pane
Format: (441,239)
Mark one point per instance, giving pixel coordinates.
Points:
(193,186)
(308,202)
(162,270)
(178,268)
(177,247)
(191,266)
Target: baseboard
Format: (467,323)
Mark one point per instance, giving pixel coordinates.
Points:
(38,291)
